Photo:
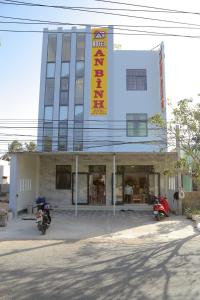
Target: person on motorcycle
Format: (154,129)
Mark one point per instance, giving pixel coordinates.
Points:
(44,206)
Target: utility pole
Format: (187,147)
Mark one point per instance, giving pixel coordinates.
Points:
(179,177)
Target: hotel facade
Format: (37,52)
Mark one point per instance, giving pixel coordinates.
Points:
(94,135)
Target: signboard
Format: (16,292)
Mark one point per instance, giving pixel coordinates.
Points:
(98,95)
(162,97)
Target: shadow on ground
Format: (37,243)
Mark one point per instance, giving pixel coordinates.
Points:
(90,270)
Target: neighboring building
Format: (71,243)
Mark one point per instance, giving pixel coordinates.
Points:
(4,179)
(94,107)
(4,172)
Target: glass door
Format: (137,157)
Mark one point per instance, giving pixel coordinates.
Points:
(97,189)
(154,184)
(82,188)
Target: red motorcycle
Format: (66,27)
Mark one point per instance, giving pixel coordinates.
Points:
(161,208)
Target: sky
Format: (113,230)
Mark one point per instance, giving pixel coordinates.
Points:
(20,53)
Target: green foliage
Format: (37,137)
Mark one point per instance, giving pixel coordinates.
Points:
(30,146)
(187,117)
(191,211)
(157,120)
(16,146)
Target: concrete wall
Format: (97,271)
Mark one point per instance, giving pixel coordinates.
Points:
(23,186)
(147,101)
(62,198)
(191,200)
(99,135)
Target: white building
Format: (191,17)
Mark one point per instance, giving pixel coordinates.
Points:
(4,172)
(93,131)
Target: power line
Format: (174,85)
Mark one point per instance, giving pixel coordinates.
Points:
(116,33)
(151,7)
(85,7)
(94,11)
(118,28)
(50,22)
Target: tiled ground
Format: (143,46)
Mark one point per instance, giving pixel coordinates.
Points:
(98,224)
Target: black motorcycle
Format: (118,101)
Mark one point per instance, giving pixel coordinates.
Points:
(42,221)
(43,217)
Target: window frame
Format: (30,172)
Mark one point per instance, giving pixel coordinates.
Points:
(136,77)
(50,35)
(78,56)
(68,57)
(47,138)
(48,69)
(67,186)
(137,121)
(49,91)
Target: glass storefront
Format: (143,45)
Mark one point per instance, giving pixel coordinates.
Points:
(136,184)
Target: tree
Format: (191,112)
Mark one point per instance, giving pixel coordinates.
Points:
(183,131)
(16,146)
(30,146)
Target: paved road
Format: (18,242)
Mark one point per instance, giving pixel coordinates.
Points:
(127,257)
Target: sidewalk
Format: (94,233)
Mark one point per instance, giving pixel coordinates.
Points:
(101,225)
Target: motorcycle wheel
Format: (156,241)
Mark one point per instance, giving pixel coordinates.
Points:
(39,225)
(44,228)
(158,217)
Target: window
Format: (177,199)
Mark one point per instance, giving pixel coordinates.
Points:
(62,136)
(51,70)
(49,91)
(65,69)
(78,113)
(47,136)
(80,69)
(51,54)
(64,84)
(78,128)
(48,113)
(79,85)
(63,177)
(63,113)
(136,80)
(66,47)
(63,126)
(64,91)
(80,46)
(79,91)
(136,125)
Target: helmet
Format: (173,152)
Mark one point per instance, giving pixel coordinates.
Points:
(40,200)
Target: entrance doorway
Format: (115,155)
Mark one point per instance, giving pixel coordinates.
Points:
(97,185)
(135,188)
(136,184)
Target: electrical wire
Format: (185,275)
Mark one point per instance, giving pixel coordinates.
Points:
(146,6)
(93,11)
(118,33)
(8,2)
(50,22)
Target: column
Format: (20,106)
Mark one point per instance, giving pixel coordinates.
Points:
(76,187)
(114,183)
